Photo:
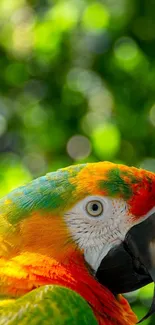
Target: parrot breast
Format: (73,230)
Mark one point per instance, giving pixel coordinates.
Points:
(28,271)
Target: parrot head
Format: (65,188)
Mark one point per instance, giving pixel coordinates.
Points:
(104,211)
(113,223)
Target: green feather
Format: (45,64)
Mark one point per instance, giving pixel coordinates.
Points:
(115,184)
(52,192)
(46,305)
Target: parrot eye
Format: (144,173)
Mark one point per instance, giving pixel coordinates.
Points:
(94,208)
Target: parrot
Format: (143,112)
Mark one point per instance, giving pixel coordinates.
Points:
(73,241)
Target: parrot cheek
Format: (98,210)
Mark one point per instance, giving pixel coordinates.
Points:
(131,264)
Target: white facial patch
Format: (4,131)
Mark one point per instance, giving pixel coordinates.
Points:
(97,230)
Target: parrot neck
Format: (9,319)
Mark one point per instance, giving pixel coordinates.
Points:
(28,271)
(42,233)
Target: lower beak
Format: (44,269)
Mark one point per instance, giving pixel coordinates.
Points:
(131,265)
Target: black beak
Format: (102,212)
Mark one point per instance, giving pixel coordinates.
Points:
(131,265)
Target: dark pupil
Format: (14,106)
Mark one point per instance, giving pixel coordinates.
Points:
(94,207)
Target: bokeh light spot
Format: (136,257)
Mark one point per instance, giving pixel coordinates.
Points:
(106,141)
(96,16)
(35,162)
(127,53)
(8,7)
(35,116)
(64,15)
(85,81)
(78,147)
(46,40)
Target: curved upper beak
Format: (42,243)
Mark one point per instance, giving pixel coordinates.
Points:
(131,265)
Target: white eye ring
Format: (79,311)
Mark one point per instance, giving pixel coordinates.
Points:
(94,208)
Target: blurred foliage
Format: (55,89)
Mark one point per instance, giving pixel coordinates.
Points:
(77,83)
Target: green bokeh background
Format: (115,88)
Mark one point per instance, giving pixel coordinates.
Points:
(77,83)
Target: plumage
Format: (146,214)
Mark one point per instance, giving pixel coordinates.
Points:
(47,237)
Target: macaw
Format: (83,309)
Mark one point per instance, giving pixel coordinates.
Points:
(72,241)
